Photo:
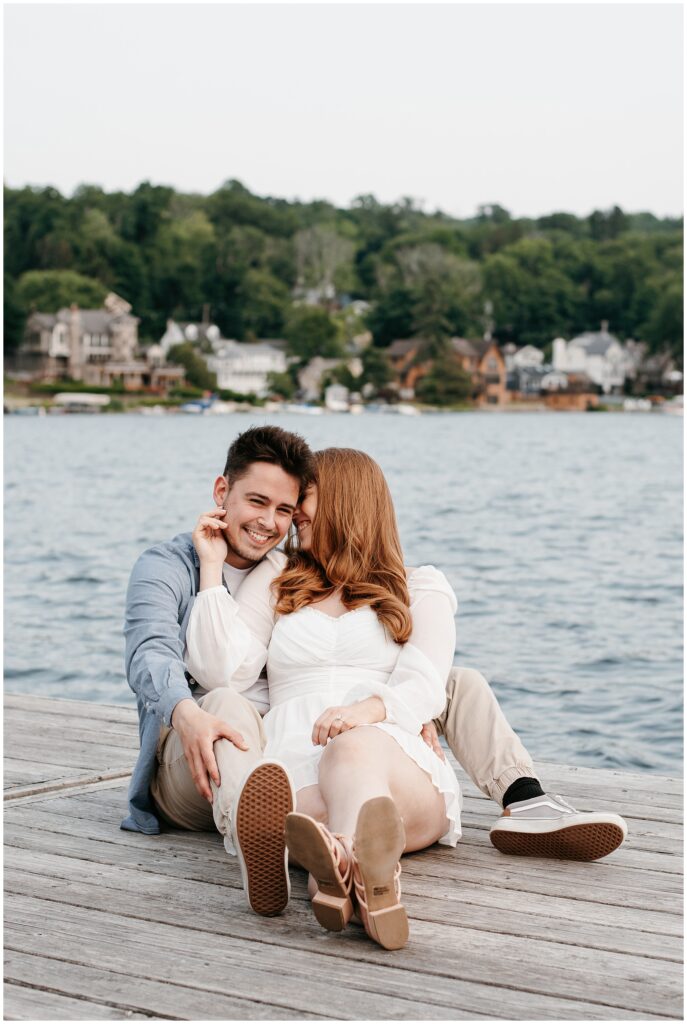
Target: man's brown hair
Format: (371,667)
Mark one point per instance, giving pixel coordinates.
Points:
(274,445)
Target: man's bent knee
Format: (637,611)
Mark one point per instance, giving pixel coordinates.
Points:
(463,680)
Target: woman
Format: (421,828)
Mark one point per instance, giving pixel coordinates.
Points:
(358,650)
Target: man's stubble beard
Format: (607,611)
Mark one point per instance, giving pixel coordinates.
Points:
(249,555)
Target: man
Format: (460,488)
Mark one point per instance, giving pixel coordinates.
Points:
(200,764)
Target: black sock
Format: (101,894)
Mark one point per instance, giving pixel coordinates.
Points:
(522,789)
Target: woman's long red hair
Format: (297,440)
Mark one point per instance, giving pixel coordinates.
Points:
(355,545)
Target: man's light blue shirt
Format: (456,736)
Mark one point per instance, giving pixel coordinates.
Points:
(162,588)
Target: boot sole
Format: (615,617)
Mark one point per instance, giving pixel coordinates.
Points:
(576,842)
(263,804)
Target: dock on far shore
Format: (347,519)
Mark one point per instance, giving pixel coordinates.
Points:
(106,924)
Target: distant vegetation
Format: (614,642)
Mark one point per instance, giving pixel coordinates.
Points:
(244,257)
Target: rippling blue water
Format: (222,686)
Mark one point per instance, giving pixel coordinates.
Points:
(560,533)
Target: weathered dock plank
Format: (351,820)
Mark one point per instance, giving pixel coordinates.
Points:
(50,744)
(111,924)
(23,1002)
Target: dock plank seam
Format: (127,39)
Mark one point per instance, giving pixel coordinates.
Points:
(144,977)
(406,968)
(75,783)
(90,1000)
(428,918)
(500,884)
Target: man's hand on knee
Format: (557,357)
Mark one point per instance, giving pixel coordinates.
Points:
(198,731)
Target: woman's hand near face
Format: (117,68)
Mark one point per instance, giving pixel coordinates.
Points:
(211,546)
(340,719)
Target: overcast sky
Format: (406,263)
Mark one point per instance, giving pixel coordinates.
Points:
(537,107)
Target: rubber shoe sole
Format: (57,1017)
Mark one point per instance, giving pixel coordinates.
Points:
(258,820)
(574,842)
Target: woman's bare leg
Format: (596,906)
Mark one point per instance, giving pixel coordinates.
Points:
(309,801)
(366,762)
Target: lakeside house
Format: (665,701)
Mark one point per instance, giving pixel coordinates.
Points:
(203,334)
(525,358)
(482,360)
(311,377)
(598,354)
(240,366)
(245,367)
(96,346)
(569,392)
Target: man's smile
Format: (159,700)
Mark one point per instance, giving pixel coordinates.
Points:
(258,537)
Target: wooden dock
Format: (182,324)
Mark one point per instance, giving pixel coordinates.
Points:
(105,924)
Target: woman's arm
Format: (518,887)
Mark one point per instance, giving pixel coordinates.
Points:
(228,637)
(416,689)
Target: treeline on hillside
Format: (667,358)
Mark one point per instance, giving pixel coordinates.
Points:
(245,257)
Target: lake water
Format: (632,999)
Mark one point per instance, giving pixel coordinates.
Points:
(561,534)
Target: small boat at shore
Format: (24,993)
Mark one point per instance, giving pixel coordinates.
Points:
(675,407)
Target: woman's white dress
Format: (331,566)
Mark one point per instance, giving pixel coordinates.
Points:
(315,661)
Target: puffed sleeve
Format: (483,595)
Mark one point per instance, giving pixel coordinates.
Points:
(227,637)
(416,689)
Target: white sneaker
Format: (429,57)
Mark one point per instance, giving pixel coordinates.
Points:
(258,818)
(547,826)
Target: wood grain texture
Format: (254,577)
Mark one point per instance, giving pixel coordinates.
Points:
(106,924)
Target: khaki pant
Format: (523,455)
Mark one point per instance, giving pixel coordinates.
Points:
(173,788)
(475,728)
(479,736)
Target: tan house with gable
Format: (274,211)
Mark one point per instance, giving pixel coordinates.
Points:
(482,360)
(96,346)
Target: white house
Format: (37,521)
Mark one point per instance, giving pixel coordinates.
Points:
(244,367)
(525,358)
(310,377)
(554,380)
(597,354)
(336,398)
(179,333)
(528,356)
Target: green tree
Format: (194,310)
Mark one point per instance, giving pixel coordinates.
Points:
(310,331)
(197,373)
(665,327)
(392,316)
(532,299)
(445,291)
(447,383)
(144,211)
(184,252)
(50,290)
(14,317)
(324,258)
(377,369)
(234,204)
(264,304)
(171,253)
(605,225)
(281,384)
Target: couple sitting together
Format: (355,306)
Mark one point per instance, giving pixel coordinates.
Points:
(332,757)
